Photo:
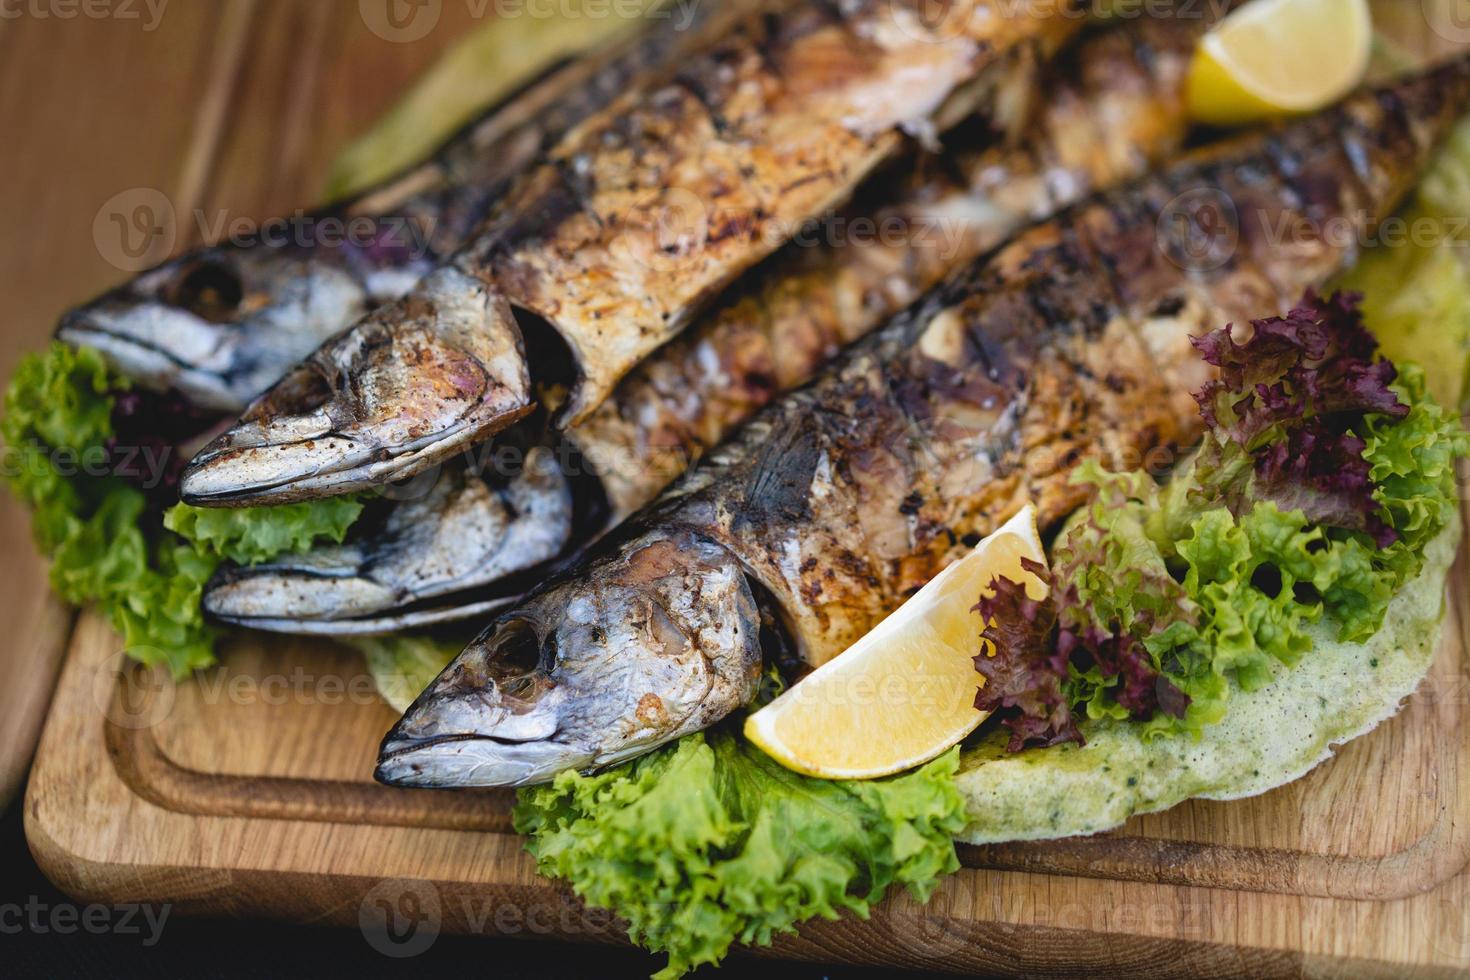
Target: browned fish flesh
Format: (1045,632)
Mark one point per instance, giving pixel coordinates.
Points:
(635,221)
(839,501)
(1116,110)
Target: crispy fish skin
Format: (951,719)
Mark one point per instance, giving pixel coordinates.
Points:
(661,203)
(839,501)
(1119,111)
(637,219)
(1109,111)
(221,324)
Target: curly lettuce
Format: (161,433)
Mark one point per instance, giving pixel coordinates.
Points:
(1284,419)
(1324,473)
(251,535)
(107,541)
(708,842)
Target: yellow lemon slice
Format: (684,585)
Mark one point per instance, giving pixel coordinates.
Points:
(1279,57)
(904,693)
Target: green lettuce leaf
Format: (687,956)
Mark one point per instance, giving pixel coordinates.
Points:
(708,841)
(1413,464)
(1254,581)
(251,535)
(106,540)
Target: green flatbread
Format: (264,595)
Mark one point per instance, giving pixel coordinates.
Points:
(1268,737)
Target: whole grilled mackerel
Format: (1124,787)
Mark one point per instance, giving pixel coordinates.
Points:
(637,219)
(220,324)
(1104,111)
(838,501)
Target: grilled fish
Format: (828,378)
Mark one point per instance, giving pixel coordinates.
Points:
(637,219)
(840,500)
(1112,108)
(220,324)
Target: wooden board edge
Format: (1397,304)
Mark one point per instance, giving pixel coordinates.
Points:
(548,912)
(25,698)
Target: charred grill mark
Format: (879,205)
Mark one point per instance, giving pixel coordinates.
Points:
(1076,389)
(721,107)
(712,103)
(832,10)
(807,302)
(780,490)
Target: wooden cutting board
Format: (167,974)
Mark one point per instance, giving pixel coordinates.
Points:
(246,792)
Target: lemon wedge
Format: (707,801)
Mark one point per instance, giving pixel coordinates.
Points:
(904,693)
(1279,57)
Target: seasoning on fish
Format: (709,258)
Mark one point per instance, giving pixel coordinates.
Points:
(1114,110)
(221,324)
(840,500)
(636,220)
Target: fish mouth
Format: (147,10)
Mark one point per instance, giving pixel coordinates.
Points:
(577,681)
(469,544)
(467,760)
(439,611)
(402,391)
(491,718)
(155,345)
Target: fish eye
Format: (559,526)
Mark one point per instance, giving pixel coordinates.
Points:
(517,650)
(210,290)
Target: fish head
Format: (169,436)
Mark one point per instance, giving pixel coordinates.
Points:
(399,392)
(463,539)
(218,325)
(660,639)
